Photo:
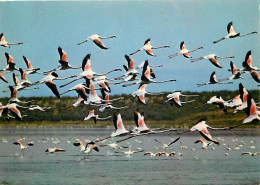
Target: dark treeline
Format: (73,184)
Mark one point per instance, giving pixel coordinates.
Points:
(155,110)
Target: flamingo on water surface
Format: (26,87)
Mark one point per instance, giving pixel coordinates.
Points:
(23,147)
(148,48)
(96,39)
(232,33)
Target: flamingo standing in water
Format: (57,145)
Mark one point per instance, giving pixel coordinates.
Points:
(10,64)
(212,58)
(232,33)
(174,98)
(23,147)
(184,51)
(213,80)
(140,93)
(96,39)
(31,69)
(94,116)
(146,77)
(4,43)
(235,102)
(119,126)
(148,48)
(247,64)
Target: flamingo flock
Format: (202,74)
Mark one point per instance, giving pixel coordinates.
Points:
(92,83)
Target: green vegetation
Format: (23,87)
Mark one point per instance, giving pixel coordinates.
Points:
(157,113)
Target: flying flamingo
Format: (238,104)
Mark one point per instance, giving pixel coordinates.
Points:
(31,69)
(53,150)
(4,43)
(96,39)
(250,153)
(129,152)
(202,127)
(243,96)
(148,48)
(93,98)
(146,77)
(94,116)
(141,65)
(174,98)
(23,147)
(166,146)
(235,102)
(119,126)
(212,58)
(48,80)
(14,98)
(113,145)
(213,80)
(140,124)
(140,93)
(80,89)
(10,64)
(184,51)
(235,74)
(255,76)
(13,108)
(204,143)
(103,83)
(2,77)
(86,149)
(87,71)
(247,64)
(232,33)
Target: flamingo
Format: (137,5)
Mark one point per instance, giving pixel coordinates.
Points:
(250,153)
(148,48)
(247,64)
(213,80)
(37,107)
(94,116)
(23,147)
(93,98)
(80,89)
(103,83)
(243,96)
(212,58)
(14,98)
(53,150)
(13,108)
(140,93)
(31,69)
(106,103)
(251,111)
(87,71)
(150,153)
(129,152)
(119,126)
(2,77)
(202,127)
(184,51)
(174,98)
(255,76)
(10,64)
(204,143)
(166,146)
(141,65)
(64,64)
(140,124)
(146,77)
(235,74)
(235,102)
(113,145)
(86,149)
(96,39)
(232,33)
(218,100)
(48,80)
(4,43)
(166,154)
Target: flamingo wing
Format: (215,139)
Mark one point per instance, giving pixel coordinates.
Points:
(255,76)
(86,62)
(16,113)
(215,62)
(53,88)
(99,43)
(63,57)
(3,78)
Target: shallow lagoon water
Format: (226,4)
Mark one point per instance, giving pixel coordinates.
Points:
(197,166)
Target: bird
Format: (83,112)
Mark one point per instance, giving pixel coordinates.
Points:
(141,65)
(87,148)
(184,51)
(80,89)
(218,100)
(129,152)
(243,93)
(4,43)
(235,102)
(96,39)
(141,92)
(250,153)
(213,80)
(150,153)
(232,33)
(14,98)
(235,74)
(146,77)
(119,126)
(23,147)
(204,143)
(30,68)
(174,98)
(113,145)
(254,75)
(53,150)
(213,59)
(13,108)
(139,122)
(247,63)
(2,77)
(251,111)
(10,64)
(148,48)
(94,116)
(166,146)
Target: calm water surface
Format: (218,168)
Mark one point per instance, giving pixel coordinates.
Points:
(196,166)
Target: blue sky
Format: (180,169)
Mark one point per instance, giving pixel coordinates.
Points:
(44,26)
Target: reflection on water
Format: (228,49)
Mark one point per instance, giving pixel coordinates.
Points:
(196,166)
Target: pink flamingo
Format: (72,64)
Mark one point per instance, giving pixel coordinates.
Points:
(96,39)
